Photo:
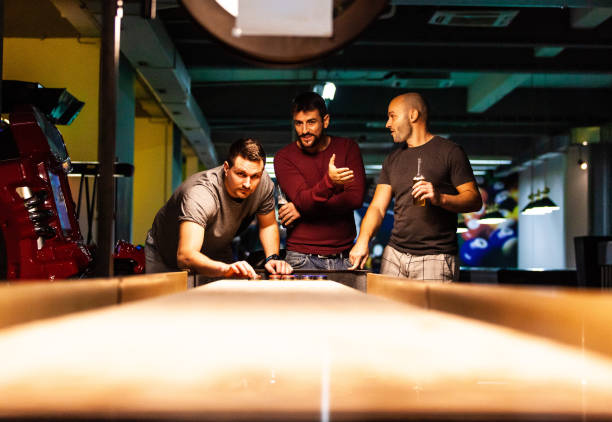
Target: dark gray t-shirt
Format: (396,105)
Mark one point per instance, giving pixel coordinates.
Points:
(202,199)
(426,230)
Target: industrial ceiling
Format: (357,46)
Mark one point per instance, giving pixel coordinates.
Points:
(502,77)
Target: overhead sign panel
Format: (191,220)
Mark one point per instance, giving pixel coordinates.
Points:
(313,18)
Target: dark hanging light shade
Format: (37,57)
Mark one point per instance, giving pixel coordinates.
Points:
(545,205)
(461,227)
(530,207)
(493,217)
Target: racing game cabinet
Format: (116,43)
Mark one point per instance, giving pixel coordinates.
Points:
(39,231)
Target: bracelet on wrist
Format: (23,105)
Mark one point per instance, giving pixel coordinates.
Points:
(271,257)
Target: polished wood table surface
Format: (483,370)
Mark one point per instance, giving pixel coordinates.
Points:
(275,350)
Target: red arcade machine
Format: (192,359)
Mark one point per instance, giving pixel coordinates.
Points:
(39,231)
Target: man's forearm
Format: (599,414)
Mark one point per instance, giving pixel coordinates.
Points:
(201,264)
(463,202)
(369,225)
(351,198)
(270,239)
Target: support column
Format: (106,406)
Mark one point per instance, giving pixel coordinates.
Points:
(112,12)
(600,192)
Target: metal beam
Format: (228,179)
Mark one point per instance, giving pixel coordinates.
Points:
(488,89)
(416,40)
(79,17)
(591,17)
(504,3)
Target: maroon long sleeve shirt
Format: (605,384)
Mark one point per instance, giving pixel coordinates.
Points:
(326,225)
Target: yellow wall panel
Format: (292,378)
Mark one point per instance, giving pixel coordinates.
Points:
(62,63)
(153,172)
(190,159)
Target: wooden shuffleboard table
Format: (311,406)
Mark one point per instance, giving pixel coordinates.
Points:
(291,350)
(351,278)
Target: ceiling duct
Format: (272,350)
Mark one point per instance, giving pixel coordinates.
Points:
(474,18)
(147,46)
(411,80)
(151,52)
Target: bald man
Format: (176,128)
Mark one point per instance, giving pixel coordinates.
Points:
(423,242)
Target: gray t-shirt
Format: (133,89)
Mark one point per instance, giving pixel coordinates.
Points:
(202,199)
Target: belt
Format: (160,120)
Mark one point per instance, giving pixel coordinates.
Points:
(344,254)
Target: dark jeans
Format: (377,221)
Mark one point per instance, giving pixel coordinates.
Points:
(304,261)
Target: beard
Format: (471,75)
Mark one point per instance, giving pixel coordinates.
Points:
(400,138)
(315,143)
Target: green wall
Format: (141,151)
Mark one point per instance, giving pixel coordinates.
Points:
(125,149)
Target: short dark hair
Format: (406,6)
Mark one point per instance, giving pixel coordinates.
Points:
(248,148)
(308,101)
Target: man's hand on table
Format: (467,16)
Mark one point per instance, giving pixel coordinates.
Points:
(277,266)
(239,269)
(358,256)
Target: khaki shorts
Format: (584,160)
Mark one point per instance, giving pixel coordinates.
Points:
(442,267)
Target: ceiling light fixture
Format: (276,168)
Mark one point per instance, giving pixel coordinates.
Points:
(493,216)
(461,227)
(329,91)
(530,207)
(544,205)
(326,90)
(540,203)
(539,206)
(494,162)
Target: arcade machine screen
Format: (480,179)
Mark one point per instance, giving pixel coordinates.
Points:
(60,202)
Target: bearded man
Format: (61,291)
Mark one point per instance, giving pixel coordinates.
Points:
(323,179)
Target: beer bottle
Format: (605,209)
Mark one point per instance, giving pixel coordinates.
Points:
(418,177)
(281,200)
